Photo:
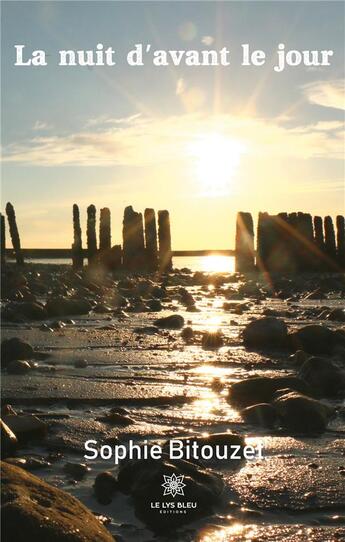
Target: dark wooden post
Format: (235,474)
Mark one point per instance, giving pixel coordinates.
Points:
(164,237)
(104,229)
(340,221)
(133,240)
(244,242)
(330,246)
(318,233)
(319,243)
(261,251)
(151,239)
(77,249)
(91,233)
(3,239)
(12,223)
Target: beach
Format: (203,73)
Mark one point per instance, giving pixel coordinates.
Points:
(154,358)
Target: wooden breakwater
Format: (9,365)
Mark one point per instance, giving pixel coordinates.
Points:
(290,243)
(285,243)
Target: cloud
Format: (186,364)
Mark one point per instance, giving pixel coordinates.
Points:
(326,93)
(207,40)
(41,125)
(147,141)
(180,86)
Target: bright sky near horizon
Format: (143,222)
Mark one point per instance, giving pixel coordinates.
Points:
(203,142)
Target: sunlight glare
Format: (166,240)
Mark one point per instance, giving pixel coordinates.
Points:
(217,158)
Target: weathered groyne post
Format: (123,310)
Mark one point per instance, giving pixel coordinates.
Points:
(319,242)
(91,233)
(104,229)
(330,246)
(77,249)
(340,222)
(244,242)
(12,223)
(164,237)
(318,233)
(261,249)
(151,239)
(133,240)
(3,239)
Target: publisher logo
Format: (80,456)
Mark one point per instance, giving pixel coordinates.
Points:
(173,485)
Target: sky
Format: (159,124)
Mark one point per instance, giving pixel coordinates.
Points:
(201,141)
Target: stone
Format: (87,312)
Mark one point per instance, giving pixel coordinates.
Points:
(187,334)
(34,510)
(212,339)
(314,339)
(268,332)
(9,441)
(336,315)
(301,414)
(76,470)
(263,414)
(324,377)
(26,426)
(80,364)
(261,389)
(18,367)
(62,306)
(31,310)
(105,486)
(299,357)
(174,321)
(14,349)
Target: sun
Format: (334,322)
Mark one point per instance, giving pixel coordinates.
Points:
(217,158)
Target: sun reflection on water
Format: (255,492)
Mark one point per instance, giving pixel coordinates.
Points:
(229,534)
(217,264)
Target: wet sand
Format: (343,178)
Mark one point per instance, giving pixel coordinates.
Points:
(172,387)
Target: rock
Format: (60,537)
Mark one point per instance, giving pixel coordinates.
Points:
(80,364)
(187,334)
(174,321)
(314,339)
(35,510)
(323,376)
(143,479)
(63,306)
(115,418)
(154,305)
(101,308)
(26,426)
(253,391)
(29,463)
(32,310)
(336,315)
(14,349)
(266,332)
(76,470)
(9,441)
(262,414)
(212,339)
(299,357)
(104,487)
(18,367)
(301,414)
